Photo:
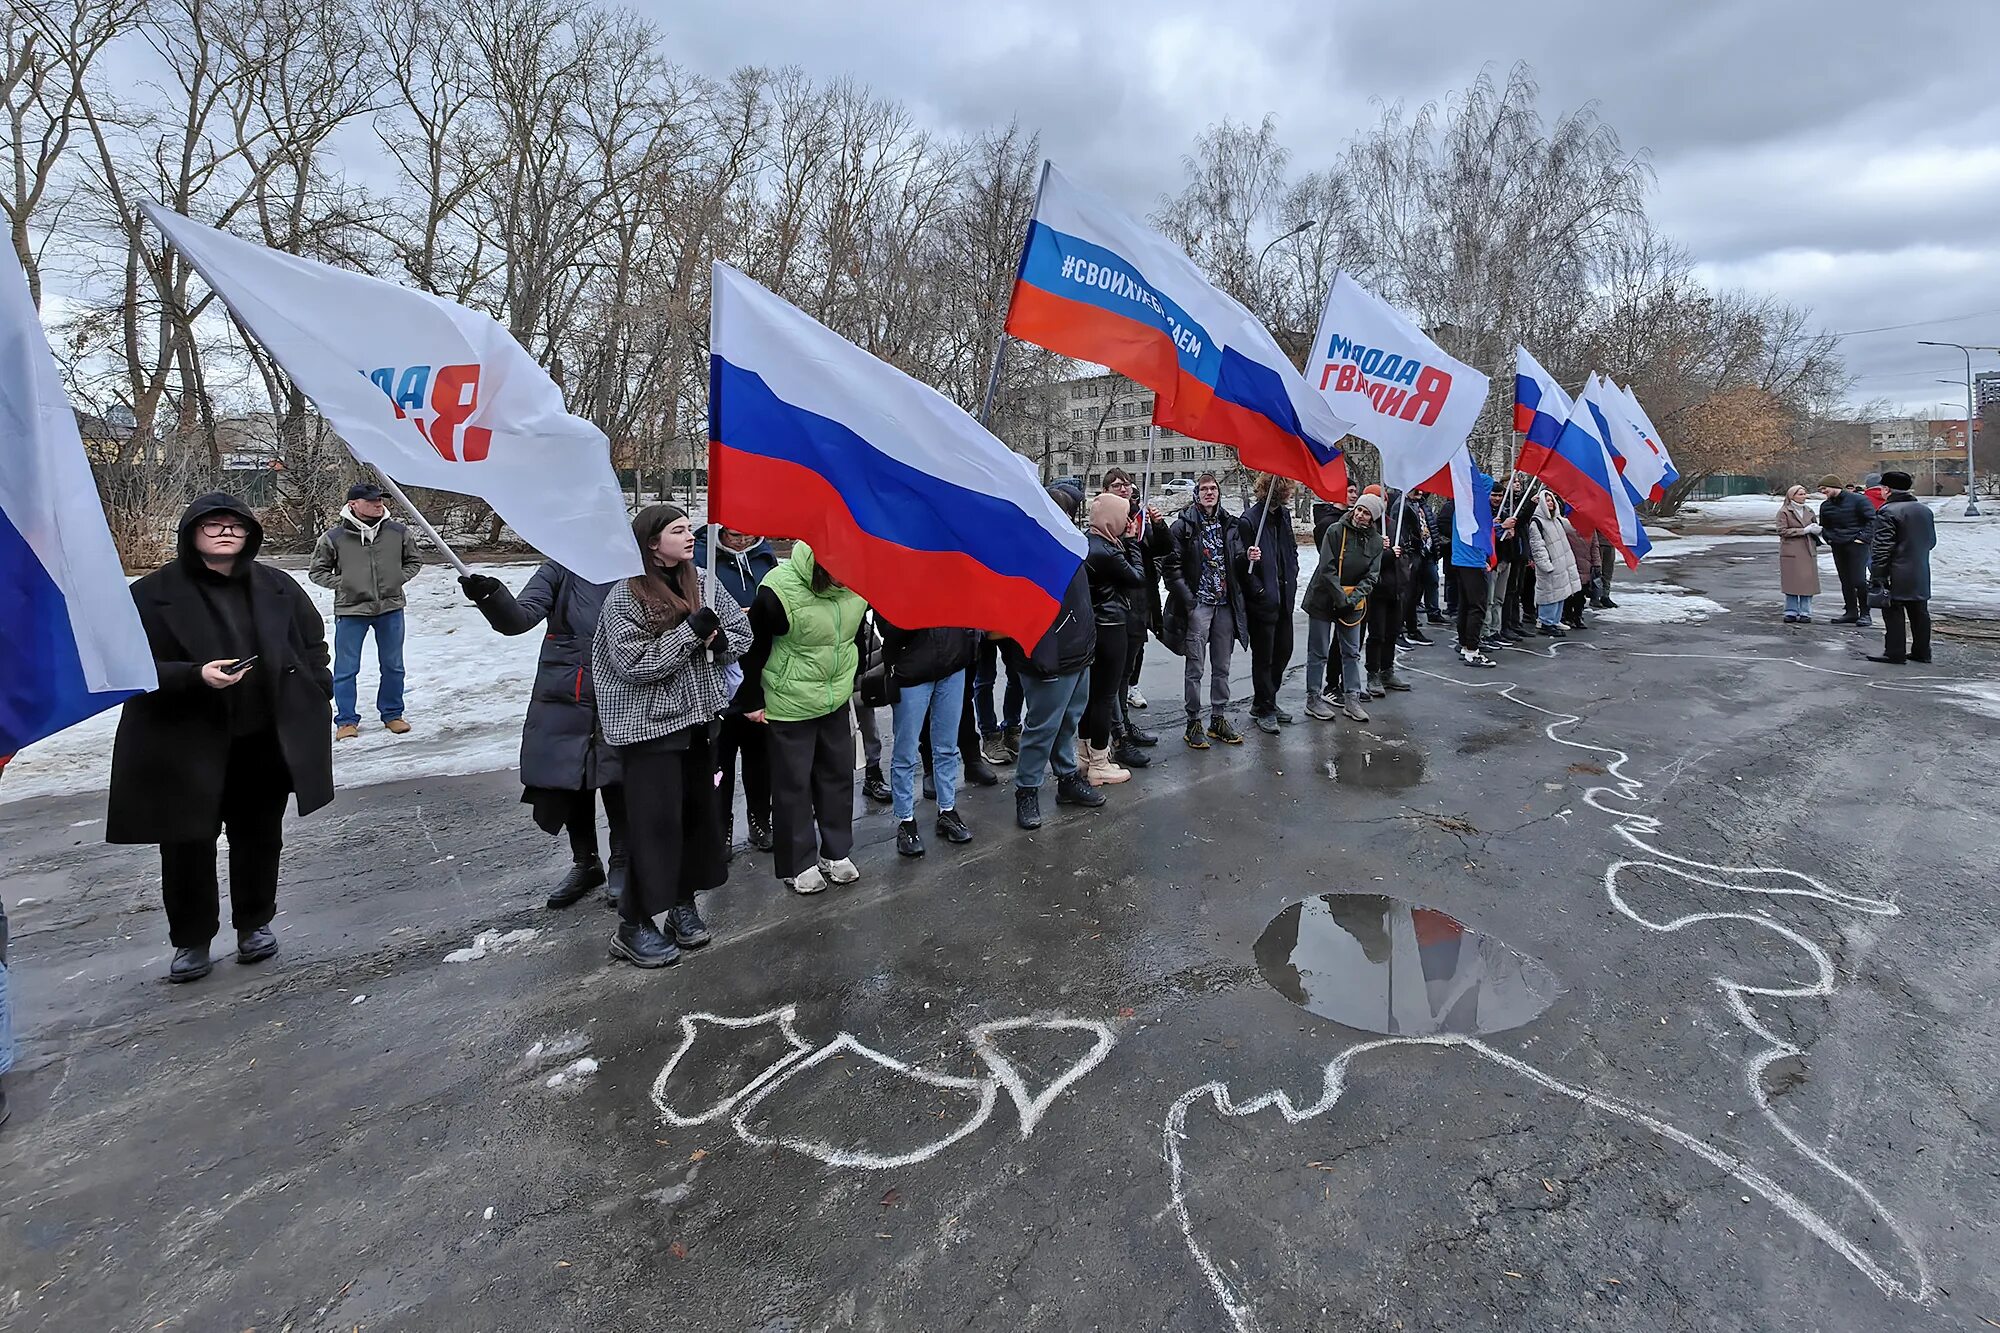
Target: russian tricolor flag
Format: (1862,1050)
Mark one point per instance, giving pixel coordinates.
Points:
(1541,408)
(70,641)
(902,496)
(1098,285)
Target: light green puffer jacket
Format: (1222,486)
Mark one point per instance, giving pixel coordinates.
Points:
(811,668)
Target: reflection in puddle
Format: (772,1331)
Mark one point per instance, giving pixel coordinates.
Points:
(1362,759)
(1385,965)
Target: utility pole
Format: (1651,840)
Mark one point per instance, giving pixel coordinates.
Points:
(1971,470)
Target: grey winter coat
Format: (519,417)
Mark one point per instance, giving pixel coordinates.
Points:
(562,747)
(1798,551)
(367,578)
(1905,535)
(1557,578)
(652,685)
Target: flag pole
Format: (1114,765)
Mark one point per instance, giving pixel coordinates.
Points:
(1000,344)
(1146,489)
(396,494)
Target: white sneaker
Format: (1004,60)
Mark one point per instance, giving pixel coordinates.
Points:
(843,871)
(1134,699)
(810,880)
(1479,659)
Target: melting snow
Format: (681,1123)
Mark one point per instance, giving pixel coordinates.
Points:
(490,942)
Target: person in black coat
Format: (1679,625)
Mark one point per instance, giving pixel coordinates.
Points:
(1205,570)
(925,671)
(241,720)
(1847,524)
(1905,536)
(1117,577)
(1148,614)
(1054,678)
(1270,596)
(1401,540)
(566,764)
(742,562)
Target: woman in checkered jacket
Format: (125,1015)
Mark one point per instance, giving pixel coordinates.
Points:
(663,661)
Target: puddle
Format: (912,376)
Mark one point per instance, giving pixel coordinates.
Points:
(1363,759)
(1385,965)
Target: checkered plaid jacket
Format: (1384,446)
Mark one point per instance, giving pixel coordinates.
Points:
(651,685)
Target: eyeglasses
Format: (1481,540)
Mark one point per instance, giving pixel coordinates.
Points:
(224,528)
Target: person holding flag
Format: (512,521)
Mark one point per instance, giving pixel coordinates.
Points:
(1472,553)
(1207,565)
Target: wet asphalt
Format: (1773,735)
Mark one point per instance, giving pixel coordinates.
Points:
(1759,872)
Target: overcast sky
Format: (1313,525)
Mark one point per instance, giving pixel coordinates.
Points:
(1837,153)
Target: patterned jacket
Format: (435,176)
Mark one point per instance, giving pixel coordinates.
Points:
(652,685)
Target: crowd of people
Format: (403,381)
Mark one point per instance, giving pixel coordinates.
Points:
(1881,537)
(654,694)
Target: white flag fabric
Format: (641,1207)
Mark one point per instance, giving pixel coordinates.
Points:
(70,641)
(432,393)
(1406,397)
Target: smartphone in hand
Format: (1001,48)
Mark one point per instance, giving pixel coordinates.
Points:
(239,666)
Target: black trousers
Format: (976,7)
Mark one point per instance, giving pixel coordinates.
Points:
(581,822)
(1385,619)
(1135,646)
(1468,586)
(1572,612)
(1850,561)
(676,832)
(750,743)
(1919,615)
(812,791)
(254,789)
(1270,655)
(1105,708)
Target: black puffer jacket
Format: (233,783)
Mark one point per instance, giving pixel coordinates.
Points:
(1070,644)
(1117,573)
(562,746)
(172,750)
(1848,517)
(920,656)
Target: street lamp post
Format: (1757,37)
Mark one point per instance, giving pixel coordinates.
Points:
(1301,229)
(1971,469)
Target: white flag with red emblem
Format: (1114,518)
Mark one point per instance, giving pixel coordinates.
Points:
(432,393)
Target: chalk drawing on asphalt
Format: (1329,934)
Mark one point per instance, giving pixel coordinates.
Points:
(980,1094)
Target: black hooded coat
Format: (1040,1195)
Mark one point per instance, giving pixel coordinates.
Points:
(172,750)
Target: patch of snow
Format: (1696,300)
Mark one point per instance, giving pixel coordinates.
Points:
(490,942)
(1965,567)
(575,1072)
(466,686)
(1674,549)
(1738,508)
(1658,604)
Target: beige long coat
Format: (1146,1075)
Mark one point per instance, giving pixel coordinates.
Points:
(1798,551)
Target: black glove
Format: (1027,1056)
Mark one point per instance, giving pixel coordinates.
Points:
(479,587)
(703,623)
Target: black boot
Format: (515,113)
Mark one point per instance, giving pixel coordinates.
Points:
(760,833)
(909,842)
(1011,738)
(580,880)
(1028,807)
(952,828)
(190,964)
(1128,753)
(1076,790)
(1139,736)
(642,945)
(614,877)
(930,787)
(5,1110)
(690,931)
(873,787)
(975,769)
(254,946)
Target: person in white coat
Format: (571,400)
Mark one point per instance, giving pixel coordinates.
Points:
(1556,576)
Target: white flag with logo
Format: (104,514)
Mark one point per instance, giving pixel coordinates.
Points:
(430,392)
(1404,395)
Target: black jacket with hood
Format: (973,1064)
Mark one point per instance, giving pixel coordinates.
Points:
(562,744)
(172,751)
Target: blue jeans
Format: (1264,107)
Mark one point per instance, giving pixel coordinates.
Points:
(944,701)
(984,676)
(1549,613)
(1048,727)
(1798,606)
(348,633)
(1320,638)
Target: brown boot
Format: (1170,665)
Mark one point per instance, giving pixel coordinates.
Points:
(346,733)
(397,727)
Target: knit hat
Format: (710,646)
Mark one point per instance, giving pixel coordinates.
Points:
(1375,490)
(1108,515)
(1872,479)
(1067,494)
(1830,482)
(1373,503)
